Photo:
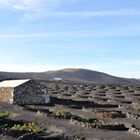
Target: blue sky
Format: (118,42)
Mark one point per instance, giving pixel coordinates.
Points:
(41,35)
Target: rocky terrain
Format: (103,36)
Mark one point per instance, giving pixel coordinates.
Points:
(77,111)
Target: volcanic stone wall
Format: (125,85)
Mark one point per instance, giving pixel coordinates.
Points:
(6,94)
(31,92)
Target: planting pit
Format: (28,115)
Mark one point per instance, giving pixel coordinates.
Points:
(109,114)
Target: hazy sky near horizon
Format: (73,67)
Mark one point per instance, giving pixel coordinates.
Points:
(41,35)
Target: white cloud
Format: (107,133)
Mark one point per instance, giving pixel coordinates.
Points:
(83,14)
(22,5)
(33,5)
(121,12)
(117,32)
(41,8)
(31,9)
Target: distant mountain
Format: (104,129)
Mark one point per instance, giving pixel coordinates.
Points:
(86,75)
(80,75)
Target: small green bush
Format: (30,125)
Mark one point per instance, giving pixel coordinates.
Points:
(94,122)
(32,127)
(4,114)
(61,113)
(82,119)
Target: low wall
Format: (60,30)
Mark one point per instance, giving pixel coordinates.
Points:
(6,94)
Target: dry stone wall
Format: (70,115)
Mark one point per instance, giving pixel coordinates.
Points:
(31,92)
(6,94)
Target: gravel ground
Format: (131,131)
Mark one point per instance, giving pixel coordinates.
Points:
(65,96)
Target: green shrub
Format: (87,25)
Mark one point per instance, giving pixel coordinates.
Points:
(101,123)
(82,119)
(4,114)
(61,113)
(32,127)
(94,122)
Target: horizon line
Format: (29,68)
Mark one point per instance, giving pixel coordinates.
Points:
(53,70)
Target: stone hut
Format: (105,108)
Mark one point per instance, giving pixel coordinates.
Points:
(23,92)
